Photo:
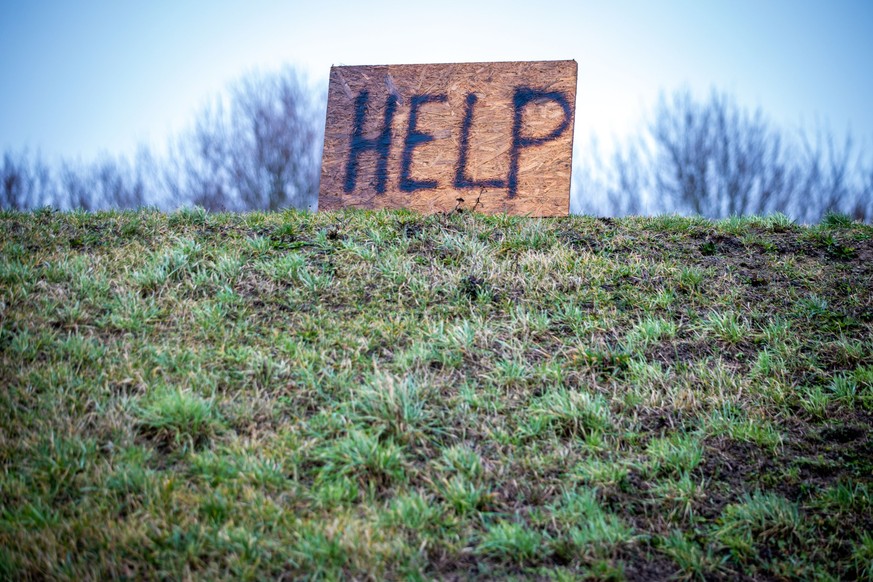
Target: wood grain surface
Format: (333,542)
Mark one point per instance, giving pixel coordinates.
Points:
(490,137)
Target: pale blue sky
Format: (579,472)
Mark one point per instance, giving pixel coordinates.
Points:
(80,78)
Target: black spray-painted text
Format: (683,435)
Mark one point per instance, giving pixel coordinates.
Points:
(381,145)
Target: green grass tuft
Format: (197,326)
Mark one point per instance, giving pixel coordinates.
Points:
(178,418)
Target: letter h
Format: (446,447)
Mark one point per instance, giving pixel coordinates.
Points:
(381,144)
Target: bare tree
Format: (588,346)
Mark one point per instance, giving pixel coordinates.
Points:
(25,183)
(617,185)
(833,179)
(74,189)
(862,206)
(106,183)
(258,149)
(715,159)
(630,176)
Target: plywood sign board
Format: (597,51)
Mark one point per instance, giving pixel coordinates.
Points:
(494,137)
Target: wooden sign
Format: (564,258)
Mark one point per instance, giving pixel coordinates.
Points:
(490,137)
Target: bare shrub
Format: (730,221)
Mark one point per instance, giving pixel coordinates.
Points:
(25,182)
(258,148)
(716,159)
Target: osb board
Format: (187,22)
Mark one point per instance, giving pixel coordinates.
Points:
(494,137)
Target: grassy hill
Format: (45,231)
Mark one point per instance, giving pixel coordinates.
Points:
(391,395)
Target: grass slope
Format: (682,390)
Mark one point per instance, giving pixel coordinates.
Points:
(390,395)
